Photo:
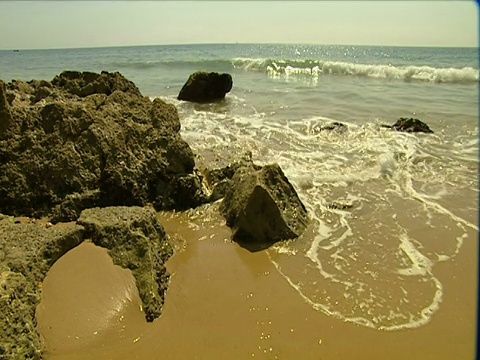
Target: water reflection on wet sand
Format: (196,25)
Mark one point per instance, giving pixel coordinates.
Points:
(225,302)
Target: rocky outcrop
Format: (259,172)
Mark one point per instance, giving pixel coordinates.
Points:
(218,180)
(88,139)
(5,115)
(87,83)
(204,87)
(136,241)
(410,125)
(262,207)
(28,248)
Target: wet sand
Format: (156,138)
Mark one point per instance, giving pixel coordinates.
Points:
(226,302)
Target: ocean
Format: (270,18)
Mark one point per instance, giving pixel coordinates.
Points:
(388,209)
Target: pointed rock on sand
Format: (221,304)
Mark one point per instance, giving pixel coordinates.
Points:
(262,207)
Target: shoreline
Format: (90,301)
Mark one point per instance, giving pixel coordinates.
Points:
(225,301)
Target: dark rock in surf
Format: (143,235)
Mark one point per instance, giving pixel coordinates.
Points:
(204,87)
(334,126)
(87,139)
(262,207)
(411,125)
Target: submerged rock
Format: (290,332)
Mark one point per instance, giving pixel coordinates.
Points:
(137,241)
(203,87)
(262,207)
(218,180)
(337,126)
(93,138)
(410,125)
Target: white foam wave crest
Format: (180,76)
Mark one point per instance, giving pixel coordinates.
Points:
(290,68)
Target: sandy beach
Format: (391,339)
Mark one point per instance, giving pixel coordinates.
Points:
(226,302)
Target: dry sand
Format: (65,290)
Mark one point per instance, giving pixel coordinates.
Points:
(225,302)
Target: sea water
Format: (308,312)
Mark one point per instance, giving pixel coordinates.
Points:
(386,207)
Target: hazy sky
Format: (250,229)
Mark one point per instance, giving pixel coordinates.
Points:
(68,24)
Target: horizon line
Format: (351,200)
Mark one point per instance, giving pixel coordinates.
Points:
(237,43)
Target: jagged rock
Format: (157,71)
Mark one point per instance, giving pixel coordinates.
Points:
(5,115)
(411,125)
(182,193)
(203,87)
(73,204)
(137,241)
(262,207)
(27,251)
(337,126)
(88,83)
(87,133)
(219,180)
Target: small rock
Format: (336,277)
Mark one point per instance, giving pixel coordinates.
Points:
(332,126)
(411,125)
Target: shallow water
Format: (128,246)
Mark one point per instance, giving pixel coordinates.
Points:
(409,202)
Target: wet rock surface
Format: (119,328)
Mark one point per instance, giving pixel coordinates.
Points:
(204,87)
(28,248)
(262,207)
(92,138)
(410,125)
(334,126)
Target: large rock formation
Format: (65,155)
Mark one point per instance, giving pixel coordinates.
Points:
(88,139)
(28,248)
(203,87)
(262,207)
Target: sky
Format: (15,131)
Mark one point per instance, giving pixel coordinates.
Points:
(73,24)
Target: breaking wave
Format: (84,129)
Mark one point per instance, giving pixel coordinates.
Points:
(316,68)
(275,68)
